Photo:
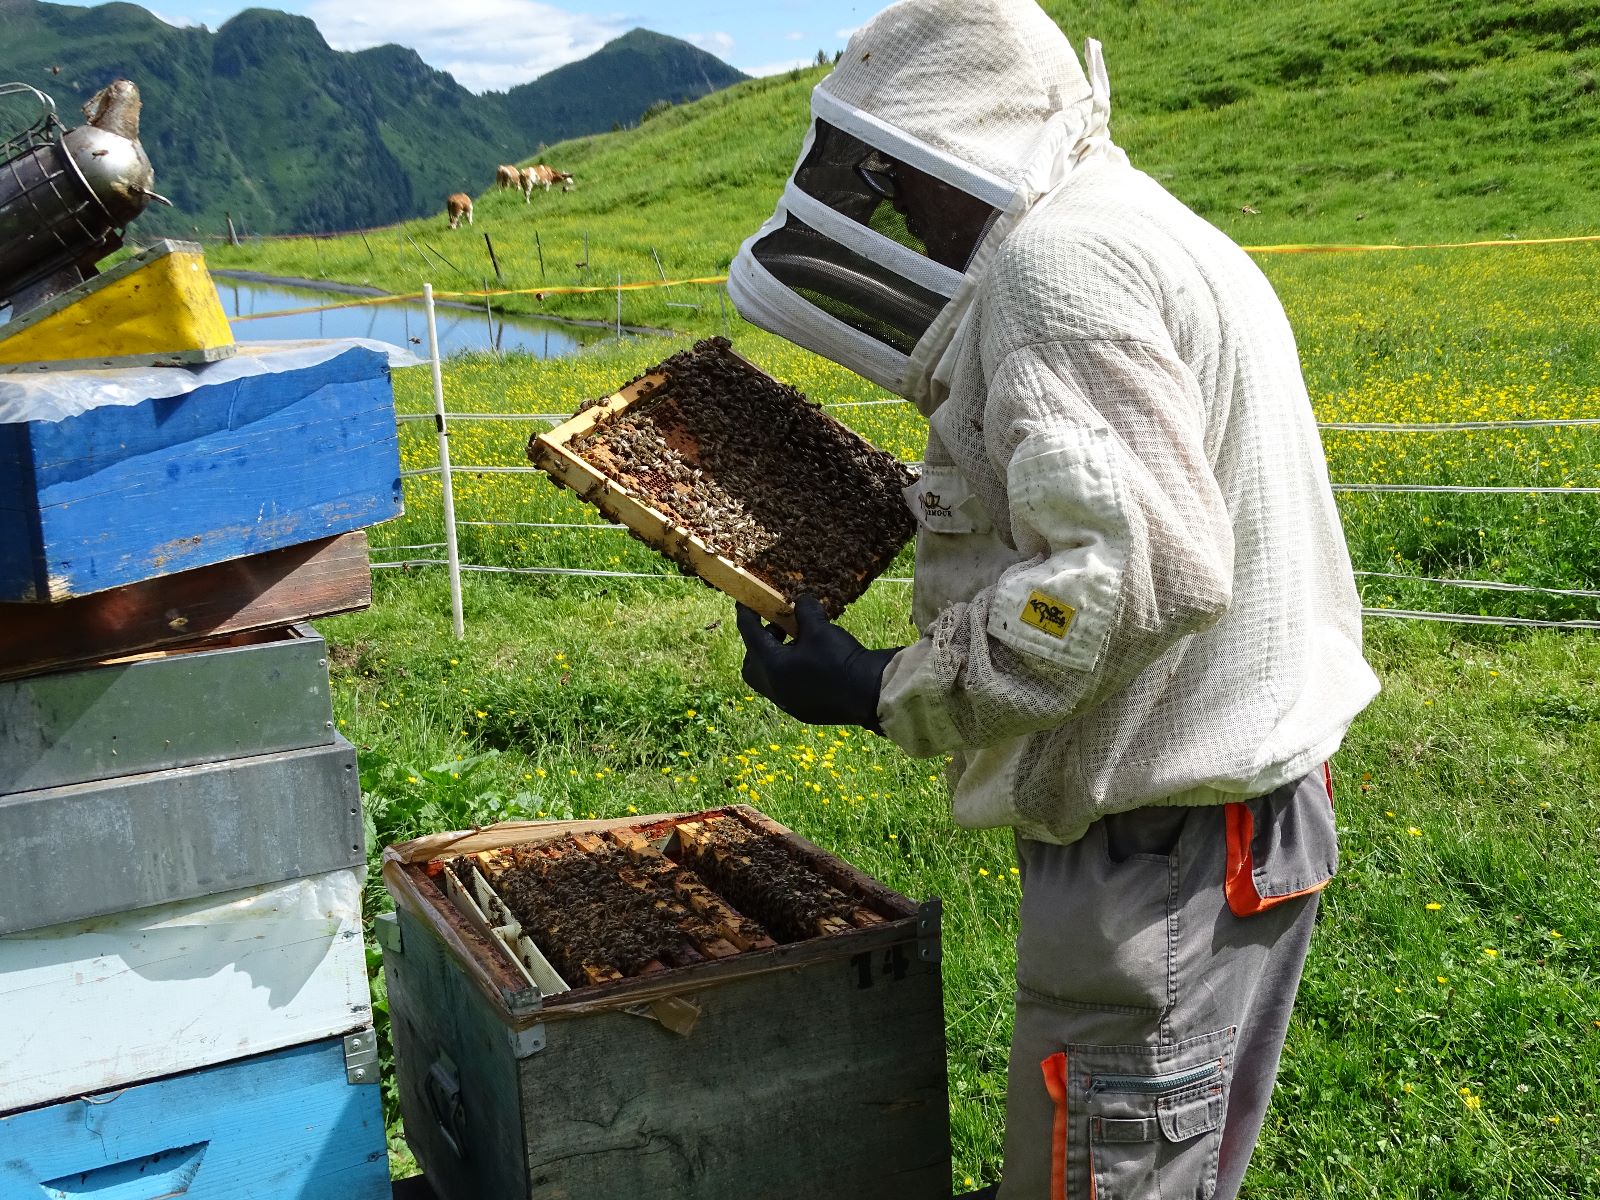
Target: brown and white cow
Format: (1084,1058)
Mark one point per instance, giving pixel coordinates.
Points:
(456,206)
(507,176)
(544,176)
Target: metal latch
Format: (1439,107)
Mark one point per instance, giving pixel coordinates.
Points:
(526,1042)
(387,928)
(361,1057)
(930,946)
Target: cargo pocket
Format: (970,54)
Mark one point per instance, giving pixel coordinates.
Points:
(1151,1120)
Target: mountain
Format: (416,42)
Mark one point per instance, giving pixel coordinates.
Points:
(615,85)
(262,119)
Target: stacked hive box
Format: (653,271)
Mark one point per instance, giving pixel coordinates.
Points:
(181,854)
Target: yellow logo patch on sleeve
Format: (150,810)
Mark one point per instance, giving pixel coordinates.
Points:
(1048,615)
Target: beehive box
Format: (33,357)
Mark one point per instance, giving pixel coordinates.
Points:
(260,694)
(229,599)
(115,1000)
(584,1009)
(294,1123)
(739,480)
(137,481)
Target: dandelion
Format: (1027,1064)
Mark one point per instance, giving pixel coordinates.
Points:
(1413,831)
(1433,906)
(983,871)
(1490,952)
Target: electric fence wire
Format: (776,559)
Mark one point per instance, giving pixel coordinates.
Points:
(1390,613)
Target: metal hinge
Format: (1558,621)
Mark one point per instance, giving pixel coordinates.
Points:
(930,946)
(361,1057)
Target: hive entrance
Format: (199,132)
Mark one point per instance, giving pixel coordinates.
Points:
(605,907)
(748,468)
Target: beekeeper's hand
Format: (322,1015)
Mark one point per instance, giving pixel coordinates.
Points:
(822,676)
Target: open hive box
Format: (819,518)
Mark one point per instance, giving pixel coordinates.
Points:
(738,479)
(696,1005)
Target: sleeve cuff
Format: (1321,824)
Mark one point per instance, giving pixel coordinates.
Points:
(912,707)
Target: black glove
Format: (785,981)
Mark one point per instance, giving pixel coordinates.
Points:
(822,677)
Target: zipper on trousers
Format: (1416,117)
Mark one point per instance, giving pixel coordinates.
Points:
(1153,1084)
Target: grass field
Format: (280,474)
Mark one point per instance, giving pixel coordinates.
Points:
(1448,1038)
(1447,1041)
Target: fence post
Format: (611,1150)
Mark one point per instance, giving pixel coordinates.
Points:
(619,303)
(452,552)
(233,234)
(540,248)
(659,268)
(492,259)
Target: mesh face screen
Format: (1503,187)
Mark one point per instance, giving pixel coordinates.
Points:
(863,294)
(830,174)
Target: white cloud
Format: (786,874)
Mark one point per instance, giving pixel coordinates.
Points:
(844,35)
(720,44)
(175,22)
(788,64)
(794,37)
(486,44)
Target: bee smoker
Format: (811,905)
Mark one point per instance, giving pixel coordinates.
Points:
(68,195)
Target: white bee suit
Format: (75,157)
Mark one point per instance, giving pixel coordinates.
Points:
(1131,581)
(1141,639)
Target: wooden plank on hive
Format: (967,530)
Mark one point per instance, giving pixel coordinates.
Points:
(262,591)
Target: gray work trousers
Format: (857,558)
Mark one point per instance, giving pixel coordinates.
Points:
(1157,963)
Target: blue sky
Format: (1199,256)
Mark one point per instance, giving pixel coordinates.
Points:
(494,44)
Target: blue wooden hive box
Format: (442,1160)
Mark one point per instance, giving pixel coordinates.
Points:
(302,1123)
(109,478)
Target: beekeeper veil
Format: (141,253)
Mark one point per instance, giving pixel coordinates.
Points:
(943,123)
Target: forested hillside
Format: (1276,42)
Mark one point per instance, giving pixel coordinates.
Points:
(264,120)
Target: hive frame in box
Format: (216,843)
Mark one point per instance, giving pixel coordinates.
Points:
(550,452)
(505,1089)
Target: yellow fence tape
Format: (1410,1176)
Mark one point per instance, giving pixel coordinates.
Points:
(717,280)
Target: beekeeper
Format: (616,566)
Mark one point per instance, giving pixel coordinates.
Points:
(1140,638)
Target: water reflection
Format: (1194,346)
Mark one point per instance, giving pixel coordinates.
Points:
(403,324)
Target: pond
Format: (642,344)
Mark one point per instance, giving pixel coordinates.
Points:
(402,324)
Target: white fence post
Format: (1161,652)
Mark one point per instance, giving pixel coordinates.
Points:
(452,551)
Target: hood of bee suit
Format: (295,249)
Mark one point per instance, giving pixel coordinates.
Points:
(985,96)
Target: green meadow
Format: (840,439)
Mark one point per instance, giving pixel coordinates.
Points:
(1447,1039)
